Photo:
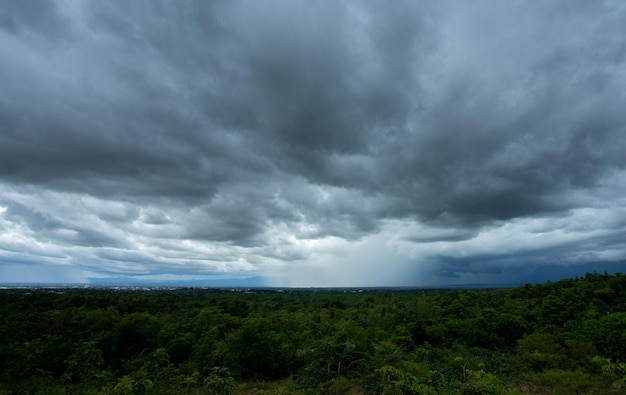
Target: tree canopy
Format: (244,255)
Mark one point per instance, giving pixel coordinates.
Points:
(566,337)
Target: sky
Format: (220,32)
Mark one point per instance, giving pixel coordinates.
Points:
(312,143)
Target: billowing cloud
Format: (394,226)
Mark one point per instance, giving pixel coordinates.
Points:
(311,143)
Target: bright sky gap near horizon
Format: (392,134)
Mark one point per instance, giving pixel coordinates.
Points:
(312,143)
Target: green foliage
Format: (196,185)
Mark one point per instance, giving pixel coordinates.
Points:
(85,364)
(563,381)
(128,385)
(136,332)
(559,337)
(219,382)
(260,350)
(608,334)
(124,386)
(328,362)
(615,371)
(482,383)
(394,381)
(540,351)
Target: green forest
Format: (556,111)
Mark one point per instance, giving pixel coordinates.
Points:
(564,337)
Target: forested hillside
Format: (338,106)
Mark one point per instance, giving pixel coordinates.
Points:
(566,337)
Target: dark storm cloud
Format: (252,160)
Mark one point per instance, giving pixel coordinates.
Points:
(263,126)
(32,17)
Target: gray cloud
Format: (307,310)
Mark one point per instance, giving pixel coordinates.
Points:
(247,137)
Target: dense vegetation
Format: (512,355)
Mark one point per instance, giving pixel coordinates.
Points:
(562,337)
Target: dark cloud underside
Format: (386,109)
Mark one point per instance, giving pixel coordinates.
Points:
(251,128)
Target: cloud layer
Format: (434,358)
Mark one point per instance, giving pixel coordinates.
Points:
(310,143)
